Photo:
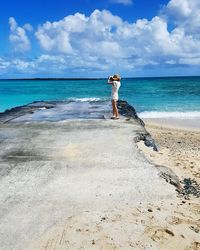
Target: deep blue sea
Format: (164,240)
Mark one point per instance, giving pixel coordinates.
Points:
(152,97)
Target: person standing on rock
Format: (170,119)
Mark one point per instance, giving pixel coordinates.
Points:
(115,82)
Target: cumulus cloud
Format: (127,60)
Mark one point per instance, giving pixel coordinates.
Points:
(104,42)
(107,37)
(77,33)
(124,2)
(18,37)
(28,27)
(185,14)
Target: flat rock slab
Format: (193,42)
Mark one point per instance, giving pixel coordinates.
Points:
(50,171)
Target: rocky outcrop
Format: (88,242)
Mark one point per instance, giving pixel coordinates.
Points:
(124,107)
(11,114)
(170,177)
(127,110)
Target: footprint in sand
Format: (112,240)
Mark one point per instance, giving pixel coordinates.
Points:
(195,246)
(195,209)
(161,234)
(173,220)
(109,247)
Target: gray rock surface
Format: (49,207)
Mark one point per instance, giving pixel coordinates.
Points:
(53,168)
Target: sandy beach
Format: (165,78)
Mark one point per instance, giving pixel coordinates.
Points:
(179,149)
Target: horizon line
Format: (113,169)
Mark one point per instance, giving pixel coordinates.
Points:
(88,78)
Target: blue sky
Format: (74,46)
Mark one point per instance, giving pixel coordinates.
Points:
(86,38)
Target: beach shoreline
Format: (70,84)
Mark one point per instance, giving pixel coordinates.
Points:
(188,124)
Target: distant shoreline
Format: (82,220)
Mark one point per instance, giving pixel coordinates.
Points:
(89,78)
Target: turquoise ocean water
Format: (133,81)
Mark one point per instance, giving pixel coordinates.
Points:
(152,97)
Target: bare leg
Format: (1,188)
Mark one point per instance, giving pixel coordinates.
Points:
(115,108)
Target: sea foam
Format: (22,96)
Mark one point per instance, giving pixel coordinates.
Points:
(86,99)
(178,115)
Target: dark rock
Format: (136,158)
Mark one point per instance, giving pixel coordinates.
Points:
(195,229)
(169,232)
(169,176)
(127,110)
(150,210)
(190,187)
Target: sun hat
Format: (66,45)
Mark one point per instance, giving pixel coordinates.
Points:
(116,77)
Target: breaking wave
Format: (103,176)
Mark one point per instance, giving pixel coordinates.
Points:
(87,99)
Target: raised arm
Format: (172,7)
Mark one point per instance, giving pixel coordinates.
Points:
(109,81)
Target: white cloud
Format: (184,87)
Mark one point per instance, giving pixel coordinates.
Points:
(104,42)
(124,2)
(104,36)
(78,32)
(181,8)
(28,27)
(4,64)
(22,65)
(184,13)
(18,36)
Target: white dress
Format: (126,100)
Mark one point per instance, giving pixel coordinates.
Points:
(115,87)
